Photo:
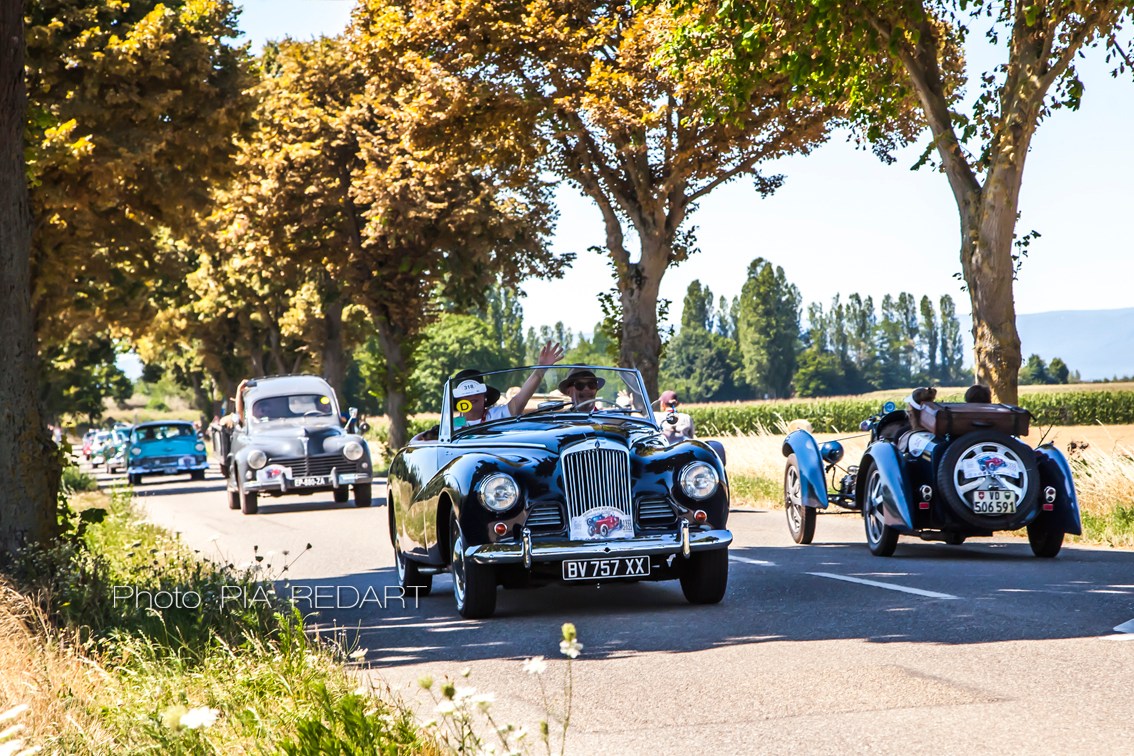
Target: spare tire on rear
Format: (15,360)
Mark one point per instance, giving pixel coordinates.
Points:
(974,461)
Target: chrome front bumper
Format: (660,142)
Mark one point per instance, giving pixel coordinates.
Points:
(283,485)
(526,552)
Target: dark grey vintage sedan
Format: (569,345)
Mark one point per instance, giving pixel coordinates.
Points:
(582,489)
(293,440)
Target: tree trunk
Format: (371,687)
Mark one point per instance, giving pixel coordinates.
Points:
(334,353)
(639,284)
(29,462)
(986,261)
(397,376)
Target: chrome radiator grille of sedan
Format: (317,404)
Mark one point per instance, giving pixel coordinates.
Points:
(320,465)
(596,474)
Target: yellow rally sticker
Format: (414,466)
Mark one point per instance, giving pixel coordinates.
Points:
(464,405)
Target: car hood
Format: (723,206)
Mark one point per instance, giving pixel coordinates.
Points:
(299,440)
(557,435)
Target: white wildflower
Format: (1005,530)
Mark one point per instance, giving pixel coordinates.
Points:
(200,718)
(483,700)
(359,653)
(463,693)
(445,708)
(570,648)
(535,665)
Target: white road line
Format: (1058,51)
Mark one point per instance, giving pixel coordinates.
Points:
(1125,627)
(746,560)
(887,586)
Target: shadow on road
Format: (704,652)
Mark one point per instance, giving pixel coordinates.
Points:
(1001,593)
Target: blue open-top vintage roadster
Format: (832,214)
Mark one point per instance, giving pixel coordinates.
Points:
(572,491)
(960,471)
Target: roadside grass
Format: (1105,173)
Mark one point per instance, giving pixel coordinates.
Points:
(88,643)
(1102,460)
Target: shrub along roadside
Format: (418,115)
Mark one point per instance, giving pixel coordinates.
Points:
(222,677)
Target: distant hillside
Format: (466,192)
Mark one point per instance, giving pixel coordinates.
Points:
(1097,343)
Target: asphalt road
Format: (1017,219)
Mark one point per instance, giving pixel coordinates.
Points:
(979,648)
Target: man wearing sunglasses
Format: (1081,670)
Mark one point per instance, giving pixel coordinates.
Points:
(581,385)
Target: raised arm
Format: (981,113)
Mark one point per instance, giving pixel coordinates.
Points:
(549,355)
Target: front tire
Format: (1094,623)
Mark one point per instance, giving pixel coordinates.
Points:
(197,475)
(1045,540)
(800,519)
(880,537)
(135,479)
(474,585)
(363,494)
(342,495)
(705,577)
(249,501)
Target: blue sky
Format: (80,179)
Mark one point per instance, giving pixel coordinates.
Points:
(844,222)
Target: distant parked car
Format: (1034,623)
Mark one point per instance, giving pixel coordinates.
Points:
(116,448)
(166,447)
(293,440)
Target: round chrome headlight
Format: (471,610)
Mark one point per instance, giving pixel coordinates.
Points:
(699,480)
(498,492)
(257,459)
(352,451)
(136,451)
(200,446)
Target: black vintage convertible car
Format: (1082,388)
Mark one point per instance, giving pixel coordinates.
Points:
(961,472)
(293,440)
(571,491)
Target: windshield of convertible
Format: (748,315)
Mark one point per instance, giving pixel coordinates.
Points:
(560,391)
(311,409)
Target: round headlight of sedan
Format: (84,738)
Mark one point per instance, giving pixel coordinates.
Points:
(200,446)
(699,480)
(498,492)
(136,451)
(352,451)
(257,459)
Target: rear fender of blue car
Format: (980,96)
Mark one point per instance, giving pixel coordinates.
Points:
(1055,471)
(813,484)
(884,458)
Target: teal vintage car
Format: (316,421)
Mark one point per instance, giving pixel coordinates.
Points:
(166,447)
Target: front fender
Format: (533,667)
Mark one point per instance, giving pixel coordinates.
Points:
(1055,471)
(812,483)
(895,486)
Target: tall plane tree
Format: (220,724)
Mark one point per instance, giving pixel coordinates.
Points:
(28,463)
(875,57)
(636,138)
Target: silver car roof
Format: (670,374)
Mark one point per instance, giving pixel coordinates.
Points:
(288,385)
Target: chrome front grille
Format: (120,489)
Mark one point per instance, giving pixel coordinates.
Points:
(596,474)
(302,467)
